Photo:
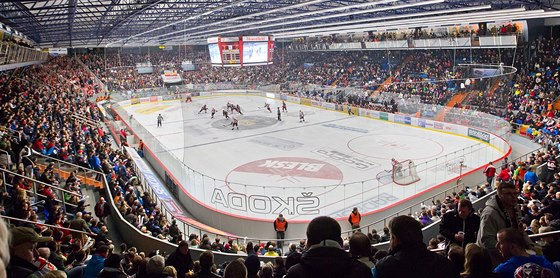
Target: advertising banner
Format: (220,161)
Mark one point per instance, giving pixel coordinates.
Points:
(478,134)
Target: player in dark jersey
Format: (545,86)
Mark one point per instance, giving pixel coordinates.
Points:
(225,113)
(203,108)
(267,106)
(301,116)
(284,107)
(213,112)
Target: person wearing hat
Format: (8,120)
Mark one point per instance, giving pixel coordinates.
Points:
(23,251)
(280,226)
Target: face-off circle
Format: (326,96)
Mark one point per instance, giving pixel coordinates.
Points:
(245,122)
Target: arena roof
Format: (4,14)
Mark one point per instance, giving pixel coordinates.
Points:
(74,23)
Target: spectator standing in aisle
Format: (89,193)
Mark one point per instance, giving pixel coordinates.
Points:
(354,218)
(206,262)
(490,172)
(141,148)
(181,260)
(460,226)
(324,256)
(501,211)
(102,209)
(409,256)
(280,226)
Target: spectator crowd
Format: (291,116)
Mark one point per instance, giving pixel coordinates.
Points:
(46,115)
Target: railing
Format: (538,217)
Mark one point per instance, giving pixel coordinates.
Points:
(84,120)
(11,53)
(239,240)
(58,191)
(417,206)
(506,40)
(554,234)
(9,219)
(86,175)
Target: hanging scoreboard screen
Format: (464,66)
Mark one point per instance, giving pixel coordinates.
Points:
(241,51)
(215,57)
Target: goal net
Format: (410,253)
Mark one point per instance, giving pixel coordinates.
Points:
(404,172)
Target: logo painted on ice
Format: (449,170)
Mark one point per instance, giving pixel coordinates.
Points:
(306,204)
(285,178)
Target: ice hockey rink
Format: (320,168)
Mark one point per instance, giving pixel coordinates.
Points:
(324,166)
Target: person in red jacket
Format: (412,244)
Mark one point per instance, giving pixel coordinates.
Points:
(490,172)
(504,175)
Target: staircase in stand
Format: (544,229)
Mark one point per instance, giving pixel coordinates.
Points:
(87,179)
(457,98)
(389,80)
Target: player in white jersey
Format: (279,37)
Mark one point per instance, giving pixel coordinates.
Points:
(234,123)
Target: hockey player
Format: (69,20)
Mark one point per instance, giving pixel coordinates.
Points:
(225,113)
(159,120)
(279,114)
(238,108)
(301,116)
(284,107)
(349,110)
(203,108)
(213,112)
(267,106)
(234,123)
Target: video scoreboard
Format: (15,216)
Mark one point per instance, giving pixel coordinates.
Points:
(241,51)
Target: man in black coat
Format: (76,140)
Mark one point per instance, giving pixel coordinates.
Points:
(324,256)
(181,260)
(461,225)
(409,257)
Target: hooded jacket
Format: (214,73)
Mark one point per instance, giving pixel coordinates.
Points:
(415,260)
(326,260)
(492,220)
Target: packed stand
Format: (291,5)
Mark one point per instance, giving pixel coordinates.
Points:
(38,109)
(318,43)
(535,89)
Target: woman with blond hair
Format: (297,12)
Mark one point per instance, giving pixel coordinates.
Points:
(478,263)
